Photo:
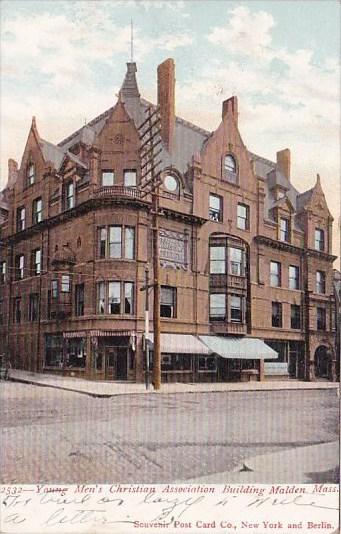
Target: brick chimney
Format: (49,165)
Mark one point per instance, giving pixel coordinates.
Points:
(230,106)
(166,100)
(283,162)
(12,172)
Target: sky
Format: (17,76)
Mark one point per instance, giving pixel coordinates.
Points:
(64,62)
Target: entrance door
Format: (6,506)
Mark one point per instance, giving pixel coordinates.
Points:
(121,363)
(322,362)
(110,363)
(116,363)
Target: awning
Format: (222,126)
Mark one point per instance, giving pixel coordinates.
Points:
(180,344)
(246,348)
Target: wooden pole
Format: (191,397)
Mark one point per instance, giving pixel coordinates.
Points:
(156,311)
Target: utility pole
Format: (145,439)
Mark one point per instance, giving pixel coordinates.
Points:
(146,326)
(150,180)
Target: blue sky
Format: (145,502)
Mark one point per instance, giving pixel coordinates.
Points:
(64,61)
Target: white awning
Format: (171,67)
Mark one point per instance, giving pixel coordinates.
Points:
(180,344)
(246,348)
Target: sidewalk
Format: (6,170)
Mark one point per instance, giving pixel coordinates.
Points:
(308,465)
(110,389)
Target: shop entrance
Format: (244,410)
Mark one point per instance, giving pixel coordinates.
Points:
(322,362)
(116,363)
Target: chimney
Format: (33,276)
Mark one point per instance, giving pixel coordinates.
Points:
(230,106)
(12,172)
(283,162)
(166,100)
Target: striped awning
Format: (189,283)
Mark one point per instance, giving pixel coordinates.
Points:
(98,333)
(246,348)
(180,344)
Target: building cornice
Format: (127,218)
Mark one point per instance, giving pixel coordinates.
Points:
(288,247)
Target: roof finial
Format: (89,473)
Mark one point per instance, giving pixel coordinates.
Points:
(131,41)
(318,179)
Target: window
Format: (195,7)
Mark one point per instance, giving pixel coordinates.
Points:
(17,310)
(284,230)
(1,311)
(101,297)
(243,217)
(275,274)
(217,260)
(21,217)
(2,272)
(114,297)
(128,298)
(66,283)
(171,183)
(102,242)
(108,178)
(36,262)
(277,314)
(69,196)
(236,261)
(54,289)
(319,239)
(79,300)
(215,212)
(54,350)
(295,316)
(236,309)
(168,302)
(320,282)
(75,352)
(30,174)
(294,277)
(19,267)
(207,363)
(230,169)
(321,318)
(37,210)
(129,243)
(115,242)
(129,178)
(218,306)
(33,310)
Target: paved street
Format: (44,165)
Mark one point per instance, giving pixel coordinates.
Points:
(50,435)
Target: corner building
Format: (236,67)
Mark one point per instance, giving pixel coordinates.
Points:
(246,263)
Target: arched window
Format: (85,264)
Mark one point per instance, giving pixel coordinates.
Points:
(230,169)
(171,183)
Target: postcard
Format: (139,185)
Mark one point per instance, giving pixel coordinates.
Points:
(170,283)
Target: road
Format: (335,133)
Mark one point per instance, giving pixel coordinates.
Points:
(49,435)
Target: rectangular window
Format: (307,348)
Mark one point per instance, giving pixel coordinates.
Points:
(236,261)
(36,262)
(79,300)
(21,219)
(115,242)
(243,217)
(129,247)
(284,230)
(295,316)
(54,289)
(101,297)
(207,363)
(69,196)
(218,306)
(236,309)
(103,234)
(217,260)
(129,178)
(294,277)
(75,352)
(108,178)
(215,212)
(168,301)
(66,283)
(114,298)
(33,311)
(30,174)
(129,298)
(319,239)
(54,350)
(19,267)
(321,318)
(17,310)
(277,314)
(2,272)
(320,282)
(275,274)
(37,210)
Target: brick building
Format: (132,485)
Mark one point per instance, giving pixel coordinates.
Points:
(245,258)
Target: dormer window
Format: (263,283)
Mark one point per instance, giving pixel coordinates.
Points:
(70,196)
(171,183)
(108,178)
(319,239)
(30,174)
(284,230)
(230,169)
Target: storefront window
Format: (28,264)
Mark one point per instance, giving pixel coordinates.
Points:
(75,352)
(207,363)
(54,350)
